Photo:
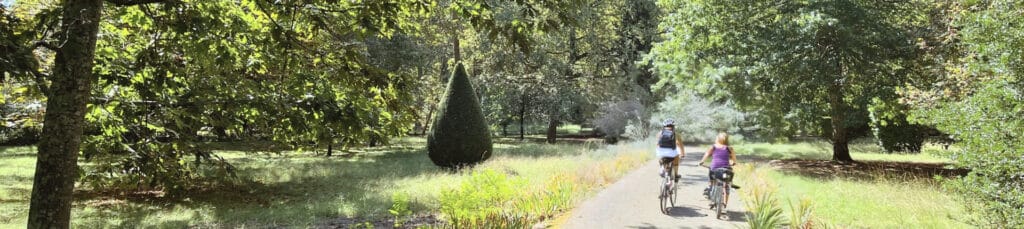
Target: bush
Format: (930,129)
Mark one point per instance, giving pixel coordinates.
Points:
(898,135)
(19,135)
(484,199)
(990,133)
(460,136)
(698,119)
(615,117)
(20,123)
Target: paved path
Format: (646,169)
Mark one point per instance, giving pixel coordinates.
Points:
(632,202)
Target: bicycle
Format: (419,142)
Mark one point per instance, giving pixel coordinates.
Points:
(719,192)
(669,187)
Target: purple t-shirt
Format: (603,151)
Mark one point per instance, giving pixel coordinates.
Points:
(719,157)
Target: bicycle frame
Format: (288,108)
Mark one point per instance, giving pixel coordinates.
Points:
(718,194)
(666,190)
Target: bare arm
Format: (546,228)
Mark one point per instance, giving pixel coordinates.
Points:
(732,156)
(706,155)
(679,147)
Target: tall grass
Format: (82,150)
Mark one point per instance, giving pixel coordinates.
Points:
(492,199)
(304,189)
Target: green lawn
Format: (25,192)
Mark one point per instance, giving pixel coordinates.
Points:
(880,201)
(302,189)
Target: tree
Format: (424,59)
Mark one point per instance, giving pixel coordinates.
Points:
(824,58)
(460,136)
(157,81)
(977,98)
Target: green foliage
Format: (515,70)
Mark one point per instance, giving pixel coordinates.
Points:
(480,199)
(762,205)
(791,63)
(989,130)
(979,103)
(763,210)
(491,199)
(399,207)
(801,214)
(898,135)
(460,135)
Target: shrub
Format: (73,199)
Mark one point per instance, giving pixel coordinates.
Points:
(898,135)
(990,133)
(615,117)
(698,119)
(460,135)
(484,199)
(399,207)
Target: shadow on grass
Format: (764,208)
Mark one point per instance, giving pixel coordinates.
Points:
(866,170)
(297,190)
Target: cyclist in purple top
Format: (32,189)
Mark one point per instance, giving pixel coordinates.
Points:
(722,156)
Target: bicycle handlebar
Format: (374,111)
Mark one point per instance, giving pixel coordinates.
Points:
(708,166)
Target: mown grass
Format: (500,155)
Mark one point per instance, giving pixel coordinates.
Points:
(305,188)
(893,200)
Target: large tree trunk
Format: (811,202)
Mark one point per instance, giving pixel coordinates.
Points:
(840,142)
(552,128)
(57,163)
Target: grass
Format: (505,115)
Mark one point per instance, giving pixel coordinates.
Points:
(821,150)
(303,189)
(880,201)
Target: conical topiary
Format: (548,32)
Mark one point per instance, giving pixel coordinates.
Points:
(460,136)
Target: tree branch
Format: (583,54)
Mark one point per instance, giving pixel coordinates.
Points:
(46,45)
(137,2)
(40,79)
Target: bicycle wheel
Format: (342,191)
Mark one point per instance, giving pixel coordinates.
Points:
(663,198)
(720,204)
(675,192)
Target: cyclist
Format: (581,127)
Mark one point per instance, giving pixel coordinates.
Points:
(722,156)
(670,148)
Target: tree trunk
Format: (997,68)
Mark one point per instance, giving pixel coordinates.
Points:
(330,148)
(522,118)
(430,115)
(455,46)
(840,143)
(57,160)
(373,141)
(552,128)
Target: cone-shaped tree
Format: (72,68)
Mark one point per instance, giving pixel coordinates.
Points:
(460,136)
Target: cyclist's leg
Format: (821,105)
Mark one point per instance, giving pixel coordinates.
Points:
(665,164)
(675,169)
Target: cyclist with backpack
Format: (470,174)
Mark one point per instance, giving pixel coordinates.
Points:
(670,149)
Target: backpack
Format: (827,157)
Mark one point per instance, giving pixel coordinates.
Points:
(668,139)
